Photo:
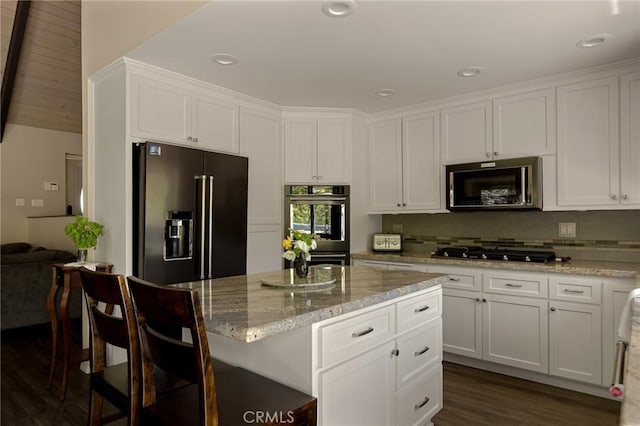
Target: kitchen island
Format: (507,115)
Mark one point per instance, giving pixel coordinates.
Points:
(369,347)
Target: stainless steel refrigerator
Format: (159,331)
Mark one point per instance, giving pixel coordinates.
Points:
(189,213)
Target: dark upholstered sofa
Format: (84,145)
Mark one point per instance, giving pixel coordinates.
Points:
(25,280)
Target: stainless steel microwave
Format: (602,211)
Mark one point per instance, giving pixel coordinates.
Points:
(495,185)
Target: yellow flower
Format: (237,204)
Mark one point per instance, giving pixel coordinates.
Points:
(287,243)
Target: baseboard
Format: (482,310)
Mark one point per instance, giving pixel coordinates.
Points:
(533,376)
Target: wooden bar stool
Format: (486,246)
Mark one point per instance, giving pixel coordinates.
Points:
(232,397)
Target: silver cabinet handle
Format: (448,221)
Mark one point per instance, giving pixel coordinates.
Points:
(426,348)
(195,139)
(455,280)
(422,404)
(418,310)
(488,154)
(566,290)
(553,309)
(362,333)
(404,204)
(625,197)
(496,153)
(613,197)
(399,205)
(395,352)
(189,138)
(477,299)
(319,177)
(513,285)
(484,300)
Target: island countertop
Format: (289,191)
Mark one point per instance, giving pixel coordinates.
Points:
(242,308)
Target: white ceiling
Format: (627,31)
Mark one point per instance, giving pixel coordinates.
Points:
(291,54)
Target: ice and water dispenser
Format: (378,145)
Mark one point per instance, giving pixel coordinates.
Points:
(178,233)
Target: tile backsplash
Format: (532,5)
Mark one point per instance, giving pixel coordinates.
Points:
(605,235)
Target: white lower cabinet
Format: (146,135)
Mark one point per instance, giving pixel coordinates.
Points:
(462,322)
(382,366)
(359,391)
(575,344)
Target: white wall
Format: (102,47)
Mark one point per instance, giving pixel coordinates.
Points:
(29,157)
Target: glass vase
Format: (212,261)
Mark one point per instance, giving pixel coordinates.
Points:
(82,255)
(301,266)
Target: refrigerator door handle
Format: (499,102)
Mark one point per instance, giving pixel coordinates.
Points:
(203,194)
(210,227)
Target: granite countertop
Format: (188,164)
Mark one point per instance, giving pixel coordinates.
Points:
(580,267)
(241,308)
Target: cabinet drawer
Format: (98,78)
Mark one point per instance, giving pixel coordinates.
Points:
(369,264)
(421,400)
(418,351)
(517,284)
(418,309)
(406,267)
(459,278)
(351,336)
(575,290)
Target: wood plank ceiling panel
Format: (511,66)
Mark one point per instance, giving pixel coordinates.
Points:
(48,88)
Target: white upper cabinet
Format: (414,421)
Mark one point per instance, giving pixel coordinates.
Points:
(405,172)
(260,141)
(524,124)
(508,127)
(317,150)
(182,114)
(466,133)
(630,139)
(588,145)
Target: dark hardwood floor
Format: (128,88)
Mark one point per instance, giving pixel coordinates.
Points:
(471,397)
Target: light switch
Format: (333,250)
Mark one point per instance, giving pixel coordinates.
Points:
(19,202)
(36,202)
(51,186)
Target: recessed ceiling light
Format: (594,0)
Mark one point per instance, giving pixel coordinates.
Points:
(339,9)
(470,72)
(593,40)
(385,92)
(225,59)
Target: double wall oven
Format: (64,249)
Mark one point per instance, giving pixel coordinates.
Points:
(322,210)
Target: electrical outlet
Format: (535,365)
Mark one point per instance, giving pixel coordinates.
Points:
(567,229)
(397,228)
(19,202)
(37,202)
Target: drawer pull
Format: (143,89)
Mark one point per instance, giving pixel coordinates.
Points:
(395,352)
(426,348)
(455,280)
(513,285)
(422,404)
(566,290)
(424,308)
(362,333)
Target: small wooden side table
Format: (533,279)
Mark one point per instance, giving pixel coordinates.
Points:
(65,278)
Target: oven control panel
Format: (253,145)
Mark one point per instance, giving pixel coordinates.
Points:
(387,242)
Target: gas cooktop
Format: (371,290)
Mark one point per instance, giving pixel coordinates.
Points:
(495,253)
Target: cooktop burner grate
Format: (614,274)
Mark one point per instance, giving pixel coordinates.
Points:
(495,254)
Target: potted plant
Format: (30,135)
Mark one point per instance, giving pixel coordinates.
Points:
(84,234)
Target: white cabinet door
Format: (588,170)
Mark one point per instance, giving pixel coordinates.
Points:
(630,138)
(462,323)
(615,295)
(263,248)
(385,165)
(359,391)
(300,138)
(524,124)
(575,344)
(588,155)
(160,111)
(214,123)
(466,133)
(515,331)
(421,182)
(333,152)
(260,141)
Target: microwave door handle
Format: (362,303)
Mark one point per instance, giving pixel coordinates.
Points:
(210,275)
(524,186)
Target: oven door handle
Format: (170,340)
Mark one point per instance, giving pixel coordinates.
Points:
(316,199)
(324,256)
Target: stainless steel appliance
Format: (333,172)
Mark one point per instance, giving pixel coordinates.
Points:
(496,253)
(322,210)
(387,242)
(190,213)
(495,185)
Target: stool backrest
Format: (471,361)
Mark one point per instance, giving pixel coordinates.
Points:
(104,292)
(157,307)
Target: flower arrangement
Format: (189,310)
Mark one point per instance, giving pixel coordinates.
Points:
(83,232)
(298,243)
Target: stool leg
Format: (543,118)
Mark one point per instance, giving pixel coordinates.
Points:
(53,317)
(66,331)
